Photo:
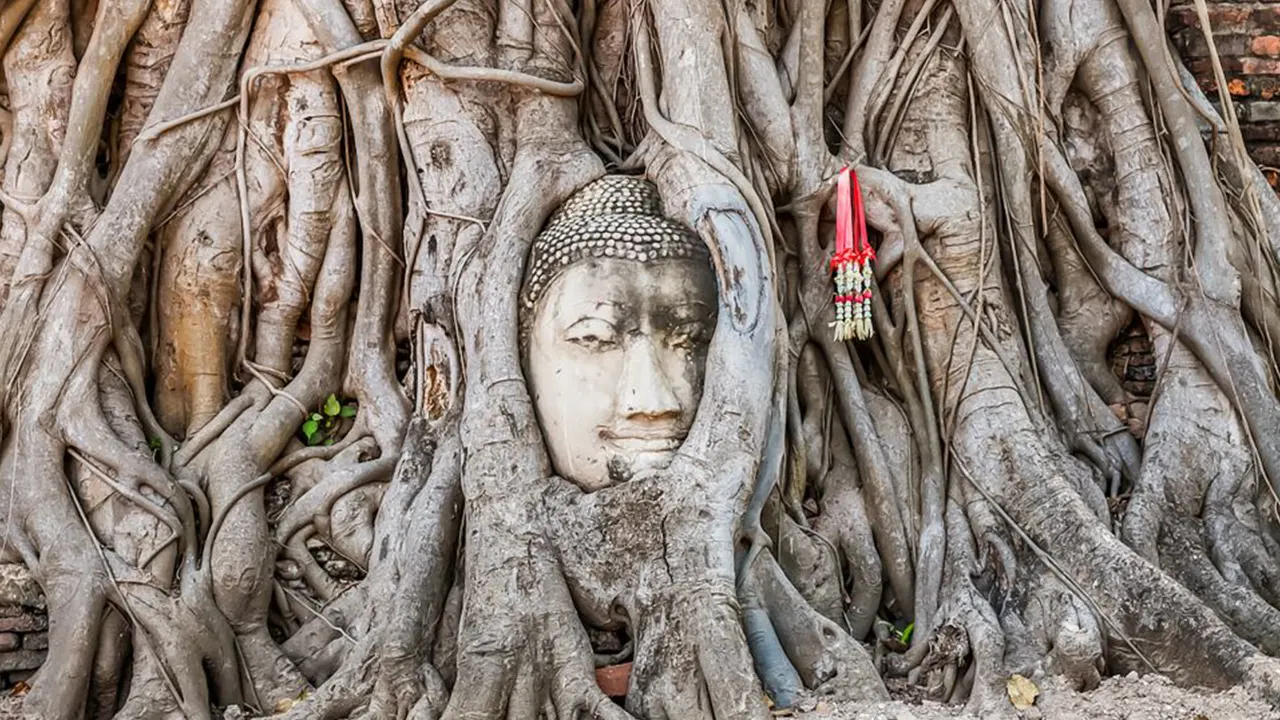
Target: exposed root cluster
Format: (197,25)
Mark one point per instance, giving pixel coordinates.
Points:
(265,438)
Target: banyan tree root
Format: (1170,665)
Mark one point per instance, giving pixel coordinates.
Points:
(221,310)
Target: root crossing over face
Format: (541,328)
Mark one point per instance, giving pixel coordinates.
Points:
(615,357)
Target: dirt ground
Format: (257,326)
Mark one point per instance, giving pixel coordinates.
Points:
(1150,697)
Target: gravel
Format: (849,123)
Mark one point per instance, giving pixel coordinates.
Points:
(1130,697)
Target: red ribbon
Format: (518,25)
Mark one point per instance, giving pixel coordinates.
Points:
(851,222)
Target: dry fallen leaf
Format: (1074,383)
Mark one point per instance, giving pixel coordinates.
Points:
(1022,692)
(286,704)
(775,710)
(20,689)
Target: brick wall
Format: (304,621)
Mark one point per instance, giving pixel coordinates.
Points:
(1133,361)
(1247,36)
(24,636)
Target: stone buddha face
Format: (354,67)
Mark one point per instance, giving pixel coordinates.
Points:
(619,310)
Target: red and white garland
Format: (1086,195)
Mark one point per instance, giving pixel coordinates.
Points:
(851,264)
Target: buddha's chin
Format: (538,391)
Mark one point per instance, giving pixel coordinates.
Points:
(627,466)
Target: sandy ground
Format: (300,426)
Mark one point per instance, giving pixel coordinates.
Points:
(1150,697)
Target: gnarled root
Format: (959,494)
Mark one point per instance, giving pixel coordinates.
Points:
(521,647)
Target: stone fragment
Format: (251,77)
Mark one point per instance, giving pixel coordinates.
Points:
(17,587)
(21,660)
(27,622)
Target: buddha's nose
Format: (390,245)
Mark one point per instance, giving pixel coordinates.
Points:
(645,391)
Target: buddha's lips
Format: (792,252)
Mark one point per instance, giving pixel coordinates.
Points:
(644,439)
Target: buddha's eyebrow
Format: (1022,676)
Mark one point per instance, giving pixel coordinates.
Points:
(588,315)
(584,306)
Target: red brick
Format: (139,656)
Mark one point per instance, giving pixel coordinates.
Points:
(1261,135)
(1260,66)
(1266,154)
(1229,17)
(1192,44)
(614,679)
(1267,19)
(1202,68)
(1226,17)
(9,641)
(1184,17)
(1266,45)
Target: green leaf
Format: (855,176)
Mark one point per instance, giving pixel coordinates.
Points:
(309,428)
(906,633)
(328,441)
(154,443)
(317,417)
(332,406)
(348,411)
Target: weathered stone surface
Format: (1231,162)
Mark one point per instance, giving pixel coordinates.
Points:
(10,641)
(621,306)
(28,622)
(17,587)
(36,641)
(21,660)
(1264,111)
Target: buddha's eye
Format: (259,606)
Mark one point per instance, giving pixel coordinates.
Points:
(592,334)
(593,342)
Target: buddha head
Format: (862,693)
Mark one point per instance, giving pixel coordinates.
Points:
(617,311)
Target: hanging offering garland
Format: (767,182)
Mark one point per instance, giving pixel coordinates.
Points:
(851,264)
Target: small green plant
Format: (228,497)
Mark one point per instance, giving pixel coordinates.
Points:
(321,427)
